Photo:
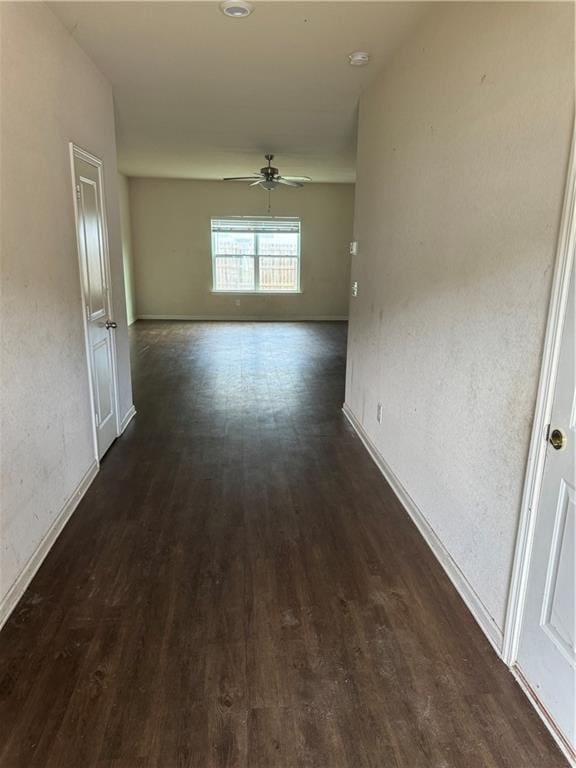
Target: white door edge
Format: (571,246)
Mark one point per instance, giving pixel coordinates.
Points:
(544,399)
(76,151)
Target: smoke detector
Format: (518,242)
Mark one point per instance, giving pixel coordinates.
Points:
(236,9)
(359,58)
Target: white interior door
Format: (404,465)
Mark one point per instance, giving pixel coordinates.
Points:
(547,651)
(95,278)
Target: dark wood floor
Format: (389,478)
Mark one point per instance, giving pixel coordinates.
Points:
(241,588)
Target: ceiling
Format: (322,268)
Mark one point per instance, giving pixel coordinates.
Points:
(199,95)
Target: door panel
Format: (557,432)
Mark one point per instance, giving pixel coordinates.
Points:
(546,652)
(95,284)
(103,394)
(93,254)
(558,614)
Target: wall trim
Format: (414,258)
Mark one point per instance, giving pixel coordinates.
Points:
(250,318)
(542,413)
(131,412)
(463,586)
(10,600)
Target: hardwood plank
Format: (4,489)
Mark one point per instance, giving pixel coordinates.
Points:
(240,588)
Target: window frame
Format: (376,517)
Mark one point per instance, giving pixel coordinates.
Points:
(257,256)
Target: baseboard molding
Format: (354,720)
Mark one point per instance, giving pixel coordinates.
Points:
(23,580)
(465,590)
(251,318)
(127,418)
(566,749)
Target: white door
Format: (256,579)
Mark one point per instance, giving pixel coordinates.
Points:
(95,278)
(547,652)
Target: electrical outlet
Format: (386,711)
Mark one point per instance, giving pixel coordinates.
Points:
(355,288)
(237,302)
(379,413)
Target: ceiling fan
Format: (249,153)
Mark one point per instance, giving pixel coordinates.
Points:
(269,178)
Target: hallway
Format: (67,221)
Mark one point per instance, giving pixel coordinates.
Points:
(240,588)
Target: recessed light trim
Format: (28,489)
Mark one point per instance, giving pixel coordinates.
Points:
(358,58)
(236,9)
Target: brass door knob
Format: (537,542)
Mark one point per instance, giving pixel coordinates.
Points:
(557,439)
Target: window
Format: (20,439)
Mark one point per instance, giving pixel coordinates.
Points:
(256,255)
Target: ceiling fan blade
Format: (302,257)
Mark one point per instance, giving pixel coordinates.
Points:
(297,178)
(241,178)
(287,182)
(256,183)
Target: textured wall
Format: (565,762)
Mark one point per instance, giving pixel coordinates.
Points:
(463,150)
(127,254)
(50,94)
(172,247)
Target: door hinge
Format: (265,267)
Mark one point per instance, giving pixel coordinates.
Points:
(78,191)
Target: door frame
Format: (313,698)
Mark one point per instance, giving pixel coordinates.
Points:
(538,443)
(76,151)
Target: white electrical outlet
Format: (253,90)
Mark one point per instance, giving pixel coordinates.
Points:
(379,413)
(237,302)
(354,248)
(355,288)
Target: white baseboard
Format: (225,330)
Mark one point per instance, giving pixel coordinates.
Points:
(250,318)
(26,575)
(567,751)
(465,590)
(127,418)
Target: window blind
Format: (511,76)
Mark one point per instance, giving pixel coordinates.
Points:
(258,226)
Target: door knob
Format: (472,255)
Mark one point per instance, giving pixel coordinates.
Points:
(557,439)
(111,324)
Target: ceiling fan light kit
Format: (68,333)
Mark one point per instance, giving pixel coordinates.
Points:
(236,9)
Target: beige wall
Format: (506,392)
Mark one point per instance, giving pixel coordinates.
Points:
(172,256)
(463,150)
(127,251)
(50,94)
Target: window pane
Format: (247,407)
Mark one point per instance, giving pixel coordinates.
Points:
(278,244)
(233,273)
(278,274)
(234,243)
(238,241)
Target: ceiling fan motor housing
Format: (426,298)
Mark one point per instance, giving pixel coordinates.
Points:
(269,171)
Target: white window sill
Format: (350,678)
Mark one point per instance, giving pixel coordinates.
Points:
(255,293)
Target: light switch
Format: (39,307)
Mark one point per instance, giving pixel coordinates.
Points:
(354,248)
